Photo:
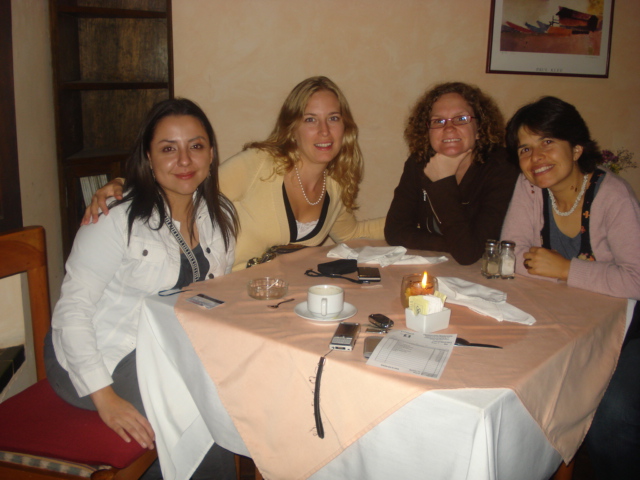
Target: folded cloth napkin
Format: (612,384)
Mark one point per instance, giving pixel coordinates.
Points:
(382,255)
(484,300)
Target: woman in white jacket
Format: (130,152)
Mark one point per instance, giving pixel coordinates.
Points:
(173,227)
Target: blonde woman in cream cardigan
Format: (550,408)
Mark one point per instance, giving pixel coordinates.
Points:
(300,184)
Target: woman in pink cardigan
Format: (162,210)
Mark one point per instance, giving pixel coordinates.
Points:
(575,223)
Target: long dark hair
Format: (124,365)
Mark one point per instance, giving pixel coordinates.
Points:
(554,118)
(145,193)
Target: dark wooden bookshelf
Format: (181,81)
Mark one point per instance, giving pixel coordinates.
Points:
(10,201)
(112,60)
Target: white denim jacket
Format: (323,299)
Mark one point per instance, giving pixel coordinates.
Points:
(95,322)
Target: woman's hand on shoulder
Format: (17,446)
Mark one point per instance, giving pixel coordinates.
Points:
(546,263)
(114,188)
(123,418)
(441,166)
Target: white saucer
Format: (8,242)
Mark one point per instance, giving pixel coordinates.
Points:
(348,311)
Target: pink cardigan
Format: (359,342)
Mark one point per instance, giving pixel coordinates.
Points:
(615,237)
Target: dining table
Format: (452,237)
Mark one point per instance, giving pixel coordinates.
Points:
(243,375)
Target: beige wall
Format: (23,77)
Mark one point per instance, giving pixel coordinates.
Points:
(35,127)
(239,59)
(37,164)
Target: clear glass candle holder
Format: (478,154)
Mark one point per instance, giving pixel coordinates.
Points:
(413,285)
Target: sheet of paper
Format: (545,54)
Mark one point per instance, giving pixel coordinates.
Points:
(424,354)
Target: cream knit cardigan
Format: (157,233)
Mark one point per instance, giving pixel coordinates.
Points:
(247,180)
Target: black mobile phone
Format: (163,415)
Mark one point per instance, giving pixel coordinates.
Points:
(345,336)
(368,274)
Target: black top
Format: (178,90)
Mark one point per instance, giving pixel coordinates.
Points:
(186,274)
(293,226)
(580,245)
(447,217)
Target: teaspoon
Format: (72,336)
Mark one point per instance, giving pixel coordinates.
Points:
(280,303)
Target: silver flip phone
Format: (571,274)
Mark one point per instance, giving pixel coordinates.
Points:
(345,336)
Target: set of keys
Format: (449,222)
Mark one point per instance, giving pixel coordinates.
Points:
(379,323)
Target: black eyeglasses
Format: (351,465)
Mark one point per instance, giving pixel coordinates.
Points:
(442,122)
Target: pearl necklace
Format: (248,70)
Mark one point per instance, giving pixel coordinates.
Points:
(575,204)
(324,185)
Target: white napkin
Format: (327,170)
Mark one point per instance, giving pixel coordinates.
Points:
(382,255)
(483,300)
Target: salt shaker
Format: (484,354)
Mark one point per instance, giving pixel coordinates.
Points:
(507,259)
(491,260)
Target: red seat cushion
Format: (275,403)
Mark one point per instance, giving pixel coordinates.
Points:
(38,422)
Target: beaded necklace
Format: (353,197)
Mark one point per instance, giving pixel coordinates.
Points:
(575,204)
(324,185)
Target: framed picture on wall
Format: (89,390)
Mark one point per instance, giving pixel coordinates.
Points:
(542,38)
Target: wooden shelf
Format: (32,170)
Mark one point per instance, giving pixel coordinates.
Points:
(78,85)
(91,154)
(112,60)
(98,12)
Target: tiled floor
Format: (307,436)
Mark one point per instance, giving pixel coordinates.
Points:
(582,469)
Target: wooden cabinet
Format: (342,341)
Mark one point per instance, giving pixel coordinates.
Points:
(10,202)
(112,60)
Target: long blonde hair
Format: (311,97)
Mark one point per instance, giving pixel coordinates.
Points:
(346,168)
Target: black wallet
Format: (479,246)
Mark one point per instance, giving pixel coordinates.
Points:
(338,267)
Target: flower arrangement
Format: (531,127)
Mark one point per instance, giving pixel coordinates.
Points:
(618,161)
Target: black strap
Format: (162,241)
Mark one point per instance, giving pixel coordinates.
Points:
(316,398)
(185,248)
(313,273)
(545,233)
(586,253)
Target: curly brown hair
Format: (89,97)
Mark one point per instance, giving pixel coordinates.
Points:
(346,169)
(487,113)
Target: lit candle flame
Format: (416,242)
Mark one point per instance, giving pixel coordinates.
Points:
(425,277)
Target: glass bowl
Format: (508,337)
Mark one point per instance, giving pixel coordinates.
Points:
(267,288)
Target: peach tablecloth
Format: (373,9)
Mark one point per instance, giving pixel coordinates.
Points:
(262,360)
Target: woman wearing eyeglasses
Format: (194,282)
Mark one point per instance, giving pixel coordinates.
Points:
(455,189)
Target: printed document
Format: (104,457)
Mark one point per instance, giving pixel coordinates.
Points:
(424,354)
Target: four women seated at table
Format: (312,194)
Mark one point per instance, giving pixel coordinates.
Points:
(300,184)
(574,222)
(172,227)
(570,220)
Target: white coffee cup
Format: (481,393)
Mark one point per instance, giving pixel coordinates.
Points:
(325,301)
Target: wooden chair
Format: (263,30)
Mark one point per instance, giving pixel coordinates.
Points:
(36,425)
(564,472)
(241,461)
